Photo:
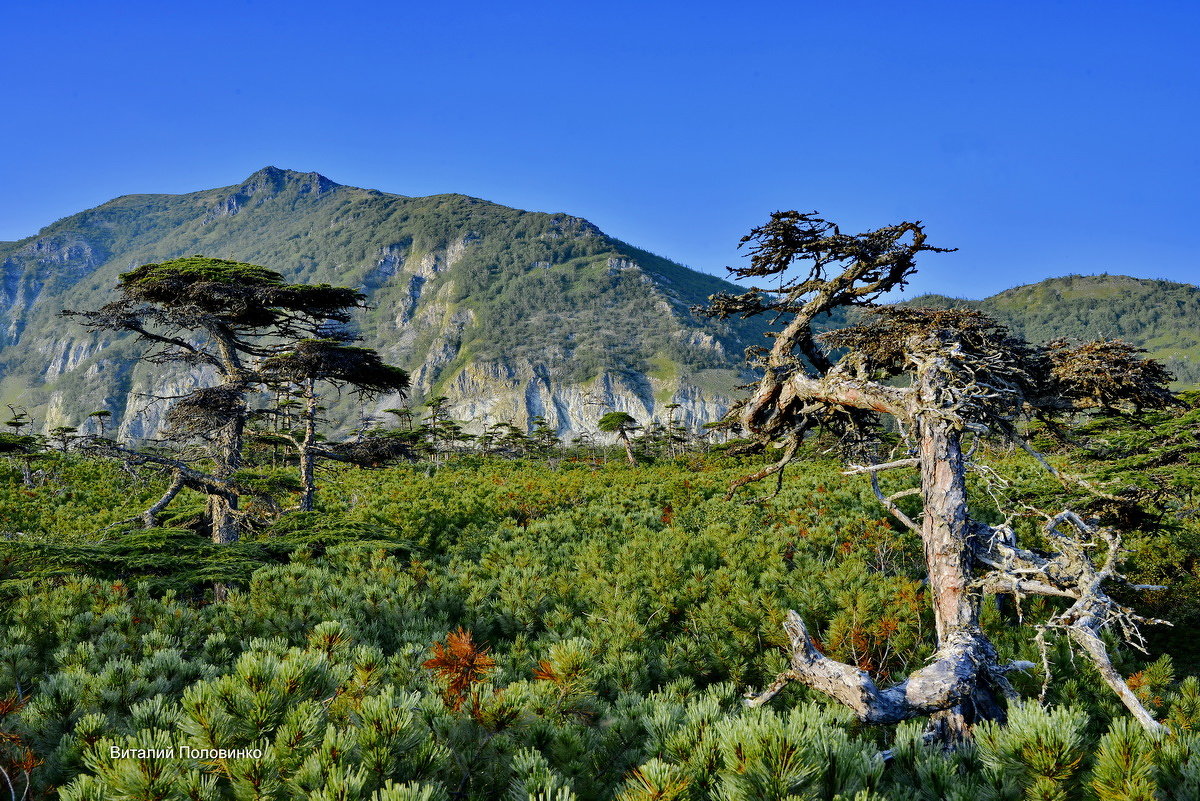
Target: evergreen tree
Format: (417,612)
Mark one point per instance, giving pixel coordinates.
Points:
(621,424)
(331,361)
(218,315)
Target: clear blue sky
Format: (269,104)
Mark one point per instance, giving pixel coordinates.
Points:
(1041,138)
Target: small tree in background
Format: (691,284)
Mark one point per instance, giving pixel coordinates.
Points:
(676,433)
(545,439)
(440,431)
(101,418)
(942,377)
(333,362)
(404,416)
(23,447)
(512,440)
(201,312)
(621,424)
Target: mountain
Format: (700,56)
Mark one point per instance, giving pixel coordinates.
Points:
(511,314)
(1161,316)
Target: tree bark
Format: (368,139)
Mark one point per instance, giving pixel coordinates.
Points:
(26,472)
(628,447)
(946,532)
(223,507)
(227,452)
(222,515)
(308,486)
(150,516)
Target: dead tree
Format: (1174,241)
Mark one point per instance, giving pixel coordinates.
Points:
(942,377)
(311,362)
(200,312)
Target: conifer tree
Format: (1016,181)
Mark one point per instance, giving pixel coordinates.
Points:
(621,424)
(944,377)
(23,447)
(331,361)
(545,440)
(438,428)
(220,316)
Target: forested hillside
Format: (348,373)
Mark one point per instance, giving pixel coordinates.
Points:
(511,314)
(1161,316)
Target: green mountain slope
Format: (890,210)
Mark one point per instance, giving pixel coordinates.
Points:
(1161,316)
(512,314)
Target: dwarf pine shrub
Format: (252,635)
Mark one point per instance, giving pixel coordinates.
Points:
(619,638)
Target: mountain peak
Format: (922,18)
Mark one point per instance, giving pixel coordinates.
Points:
(273,180)
(268,183)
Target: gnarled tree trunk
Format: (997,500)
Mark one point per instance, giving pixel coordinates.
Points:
(945,532)
(965,372)
(223,506)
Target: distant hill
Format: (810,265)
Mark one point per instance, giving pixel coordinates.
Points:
(512,314)
(1161,316)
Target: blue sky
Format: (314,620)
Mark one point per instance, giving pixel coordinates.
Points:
(1039,138)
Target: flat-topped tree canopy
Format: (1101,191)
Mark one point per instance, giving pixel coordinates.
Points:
(1108,376)
(338,363)
(994,376)
(17,443)
(240,294)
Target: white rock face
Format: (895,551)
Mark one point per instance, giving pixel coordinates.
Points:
(486,394)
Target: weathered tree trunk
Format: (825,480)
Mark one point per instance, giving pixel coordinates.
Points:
(946,532)
(226,526)
(227,450)
(945,526)
(223,507)
(222,514)
(26,472)
(150,516)
(308,485)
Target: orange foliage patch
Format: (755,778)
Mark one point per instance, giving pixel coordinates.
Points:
(461,664)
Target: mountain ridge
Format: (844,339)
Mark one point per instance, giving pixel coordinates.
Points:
(512,314)
(1159,315)
(515,314)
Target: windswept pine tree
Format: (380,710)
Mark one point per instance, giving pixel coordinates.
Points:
(621,424)
(311,362)
(224,317)
(948,380)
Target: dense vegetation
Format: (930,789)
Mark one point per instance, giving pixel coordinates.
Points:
(509,617)
(504,628)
